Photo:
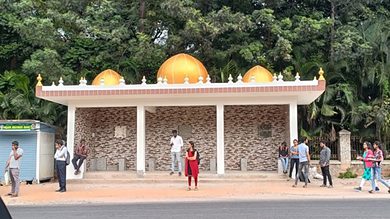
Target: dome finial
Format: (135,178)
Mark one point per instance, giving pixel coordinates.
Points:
(60,82)
(321,73)
(39,79)
(297,77)
(239,79)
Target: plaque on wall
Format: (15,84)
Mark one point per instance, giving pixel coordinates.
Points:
(185,131)
(265,130)
(120,132)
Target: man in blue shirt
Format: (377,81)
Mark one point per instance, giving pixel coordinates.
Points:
(304,162)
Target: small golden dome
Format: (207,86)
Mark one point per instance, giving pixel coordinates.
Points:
(260,74)
(176,68)
(111,77)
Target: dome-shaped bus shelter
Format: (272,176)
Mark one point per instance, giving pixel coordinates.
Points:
(236,125)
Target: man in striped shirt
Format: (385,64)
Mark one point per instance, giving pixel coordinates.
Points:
(376,172)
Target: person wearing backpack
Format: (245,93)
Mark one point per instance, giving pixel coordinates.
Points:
(191,165)
(61,156)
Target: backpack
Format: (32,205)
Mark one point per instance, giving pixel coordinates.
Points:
(67,160)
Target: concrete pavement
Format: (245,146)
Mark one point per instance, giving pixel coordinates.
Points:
(174,190)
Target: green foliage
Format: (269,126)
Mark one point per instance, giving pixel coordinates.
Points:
(347,174)
(350,39)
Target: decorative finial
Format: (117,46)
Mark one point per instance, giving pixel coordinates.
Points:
(122,81)
(200,80)
(280,77)
(39,78)
(230,79)
(165,81)
(274,78)
(315,78)
(101,81)
(239,79)
(253,79)
(85,81)
(321,72)
(186,80)
(208,79)
(53,84)
(159,80)
(81,81)
(297,77)
(143,80)
(61,82)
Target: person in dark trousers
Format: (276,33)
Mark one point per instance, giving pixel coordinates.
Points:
(60,157)
(283,156)
(304,162)
(324,164)
(80,154)
(13,163)
(294,158)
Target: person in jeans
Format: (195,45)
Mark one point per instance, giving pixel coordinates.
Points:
(13,163)
(60,157)
(376,170)
(80,154)
(283,156)
(176,145)
(304,161)
(324,164)
(294,158)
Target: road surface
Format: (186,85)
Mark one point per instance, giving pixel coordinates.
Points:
(291,209)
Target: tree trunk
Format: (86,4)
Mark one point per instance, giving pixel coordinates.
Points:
(332,31)
(141,15)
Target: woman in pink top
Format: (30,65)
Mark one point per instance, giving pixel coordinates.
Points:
(367,164)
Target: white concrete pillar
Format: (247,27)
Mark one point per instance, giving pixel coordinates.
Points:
(293,117)
(70,142)
(293,121)
(220,140)
(140,140)
(345,149)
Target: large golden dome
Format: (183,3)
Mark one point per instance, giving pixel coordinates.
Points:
(260,73)
(176,68)
(110,76)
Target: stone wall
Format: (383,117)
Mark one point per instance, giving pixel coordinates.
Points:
(356,167)
(198,124)
(202,130)
(83,128)
(242,138)
(101,123)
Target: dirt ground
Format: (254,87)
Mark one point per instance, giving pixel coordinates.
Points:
(44,194)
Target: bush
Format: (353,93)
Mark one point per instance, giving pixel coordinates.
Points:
(348,174)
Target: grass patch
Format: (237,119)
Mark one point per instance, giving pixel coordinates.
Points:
(348,174)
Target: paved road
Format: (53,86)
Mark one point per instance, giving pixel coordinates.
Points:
(224,210)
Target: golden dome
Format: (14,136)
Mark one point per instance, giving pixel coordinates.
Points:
(111,77)
(260,73)
(176,68)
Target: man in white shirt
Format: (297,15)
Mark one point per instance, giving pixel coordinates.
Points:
(60,156)
(176,144)
(13,163)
